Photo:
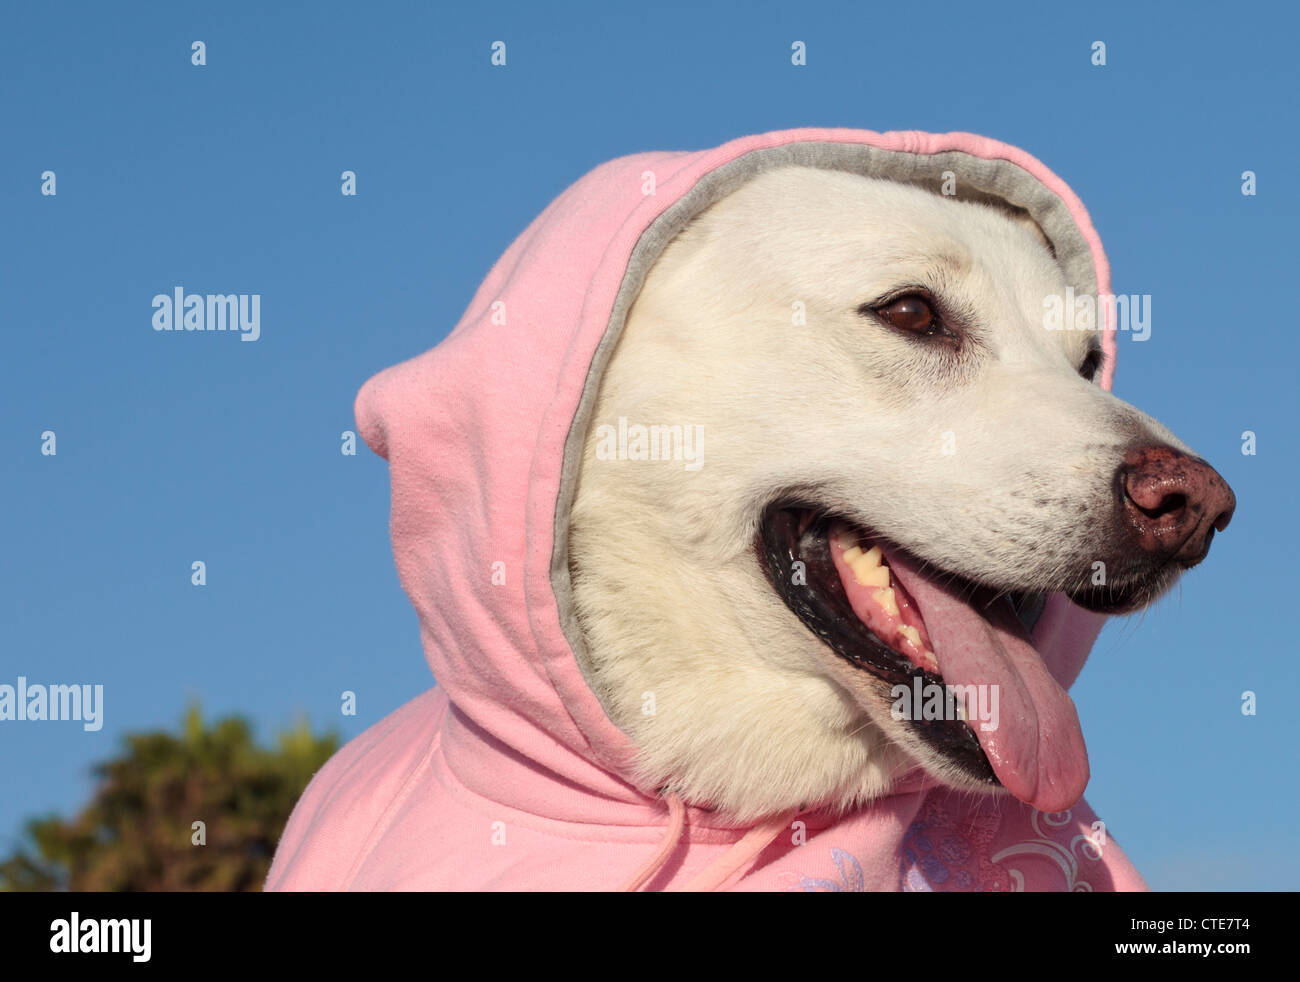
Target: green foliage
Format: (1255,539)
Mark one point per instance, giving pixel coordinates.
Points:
(137,832)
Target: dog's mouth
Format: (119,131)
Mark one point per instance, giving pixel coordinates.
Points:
(957,648)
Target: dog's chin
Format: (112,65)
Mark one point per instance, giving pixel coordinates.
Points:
(1136,590)
(795,553)
(852,597)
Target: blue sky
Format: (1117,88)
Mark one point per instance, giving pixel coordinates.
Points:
(225,178)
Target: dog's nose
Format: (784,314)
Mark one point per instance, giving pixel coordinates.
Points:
(1173,502)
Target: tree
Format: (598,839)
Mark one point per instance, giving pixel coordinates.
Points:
(138,832)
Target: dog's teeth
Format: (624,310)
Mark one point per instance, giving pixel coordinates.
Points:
(867,575)
(886,600)
(852,553)
(873,556)
(911,633)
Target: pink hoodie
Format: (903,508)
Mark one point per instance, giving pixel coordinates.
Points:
(508,775)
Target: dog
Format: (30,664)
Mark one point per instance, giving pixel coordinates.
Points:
(919,414)
(758,514)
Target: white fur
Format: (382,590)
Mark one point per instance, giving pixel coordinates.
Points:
(752,714)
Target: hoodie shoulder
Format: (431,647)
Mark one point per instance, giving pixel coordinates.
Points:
(347,804)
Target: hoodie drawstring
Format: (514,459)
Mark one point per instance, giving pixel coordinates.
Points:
(676,822)
(741,854)
(714,876)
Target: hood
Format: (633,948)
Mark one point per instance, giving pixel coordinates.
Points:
(483,436)
(484,433)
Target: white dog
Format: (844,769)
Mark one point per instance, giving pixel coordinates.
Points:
(742,512)
(918,405)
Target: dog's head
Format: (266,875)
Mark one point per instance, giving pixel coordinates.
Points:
(889,451)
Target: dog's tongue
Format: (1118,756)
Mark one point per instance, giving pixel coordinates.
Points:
(1037,751)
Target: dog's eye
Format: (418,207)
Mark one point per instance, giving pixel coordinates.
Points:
(1090,365)
(910,313)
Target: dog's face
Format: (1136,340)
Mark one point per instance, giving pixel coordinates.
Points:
(894,460)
